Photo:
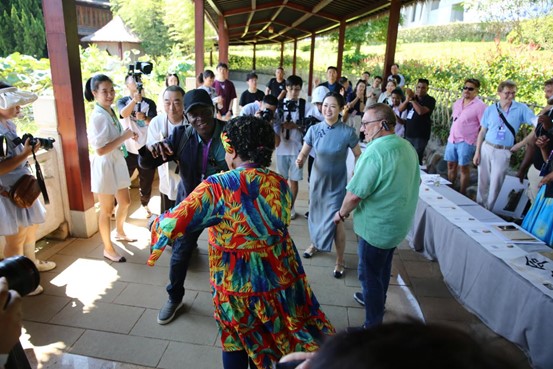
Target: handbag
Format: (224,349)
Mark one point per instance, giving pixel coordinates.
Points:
(25,191)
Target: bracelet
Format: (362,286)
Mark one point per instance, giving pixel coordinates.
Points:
(341,216)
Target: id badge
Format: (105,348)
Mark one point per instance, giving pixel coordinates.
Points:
(500,134)
(410,114)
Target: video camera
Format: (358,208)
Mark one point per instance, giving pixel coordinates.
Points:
(137,69)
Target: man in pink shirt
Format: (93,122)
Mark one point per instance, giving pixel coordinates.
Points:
(461,143)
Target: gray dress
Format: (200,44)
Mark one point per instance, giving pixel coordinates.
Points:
(327,185)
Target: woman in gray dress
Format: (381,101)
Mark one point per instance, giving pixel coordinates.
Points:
(331,140)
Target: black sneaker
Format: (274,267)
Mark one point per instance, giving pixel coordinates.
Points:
(168,311)
(358,296)
(306,215)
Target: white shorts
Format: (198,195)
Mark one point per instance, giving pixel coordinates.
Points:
(286,167)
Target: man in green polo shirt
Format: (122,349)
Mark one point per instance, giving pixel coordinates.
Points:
(384,193)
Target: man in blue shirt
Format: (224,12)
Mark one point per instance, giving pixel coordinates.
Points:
(499,125)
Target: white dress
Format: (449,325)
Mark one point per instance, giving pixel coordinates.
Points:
(12,216)
(109,172)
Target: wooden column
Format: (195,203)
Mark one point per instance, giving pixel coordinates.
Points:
(341,37)
(282,54)
(199,35)
(294,57)
(311,62)
(253,61)
(391,39)
(223,41)
(60,21)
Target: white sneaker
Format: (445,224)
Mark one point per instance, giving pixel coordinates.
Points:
(293,214)
(37,291)
(44,265)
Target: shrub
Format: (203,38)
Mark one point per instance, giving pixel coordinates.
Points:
(449,32)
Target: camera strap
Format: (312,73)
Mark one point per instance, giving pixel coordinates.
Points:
(510,127)
(40,179)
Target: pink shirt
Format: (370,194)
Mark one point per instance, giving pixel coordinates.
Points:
(466,121)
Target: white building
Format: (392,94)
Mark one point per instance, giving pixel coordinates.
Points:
(437,12)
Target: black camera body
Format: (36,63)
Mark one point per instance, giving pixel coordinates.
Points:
(137,69)
(267,115)
(21,274)
(45,143)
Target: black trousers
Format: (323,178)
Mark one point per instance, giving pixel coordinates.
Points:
(145,178)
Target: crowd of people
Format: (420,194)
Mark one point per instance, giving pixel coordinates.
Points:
(213,165)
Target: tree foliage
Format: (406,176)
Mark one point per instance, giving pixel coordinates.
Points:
(373,31)
(22,25)
(162,24)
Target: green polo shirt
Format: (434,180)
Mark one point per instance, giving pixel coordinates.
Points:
(387,179)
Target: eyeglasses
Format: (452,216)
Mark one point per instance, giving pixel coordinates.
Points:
(370,121)
(468,88)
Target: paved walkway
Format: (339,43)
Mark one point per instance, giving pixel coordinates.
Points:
(98,314)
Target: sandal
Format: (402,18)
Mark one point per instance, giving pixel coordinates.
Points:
(310,251)
(339,270)
(124,238)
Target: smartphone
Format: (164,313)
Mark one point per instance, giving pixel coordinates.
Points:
(507,227)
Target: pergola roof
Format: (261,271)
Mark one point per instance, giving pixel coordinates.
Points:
(270,21)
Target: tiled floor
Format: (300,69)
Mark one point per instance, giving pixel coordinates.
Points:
(98,314)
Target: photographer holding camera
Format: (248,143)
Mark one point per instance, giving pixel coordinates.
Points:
(137,112)
(11,319)
(291,127)
(19,225)
(265,109)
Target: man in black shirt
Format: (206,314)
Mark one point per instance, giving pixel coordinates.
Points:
(419,106)
(277,85)
(252,93)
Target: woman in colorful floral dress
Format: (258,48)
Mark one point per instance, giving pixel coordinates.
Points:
(263,303)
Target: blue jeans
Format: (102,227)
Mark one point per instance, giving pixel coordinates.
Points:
(375,266)
(183,248)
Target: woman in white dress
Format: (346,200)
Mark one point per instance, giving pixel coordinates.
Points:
(109,174)
(18,225)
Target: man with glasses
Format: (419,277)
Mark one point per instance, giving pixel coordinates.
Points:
(461,143)
(500,124)
(383,192)
(419,106)
(199,152)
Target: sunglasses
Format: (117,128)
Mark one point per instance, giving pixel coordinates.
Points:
(468,88)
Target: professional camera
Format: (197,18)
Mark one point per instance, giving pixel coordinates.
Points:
(137,69)
(21,273)
(267,115)
(45,143)
(307,122)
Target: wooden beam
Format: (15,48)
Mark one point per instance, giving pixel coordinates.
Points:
(223,41)
(294,57)
(282,54)
(65,64)
(254,57)
(311,62)
(199,33)
(214,7)
(391,39)
(341,38)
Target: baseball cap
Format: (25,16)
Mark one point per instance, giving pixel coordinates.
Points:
(319,94)
(197,97)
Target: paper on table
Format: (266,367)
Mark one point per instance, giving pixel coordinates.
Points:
(504,251)
(537,269)
(513,233)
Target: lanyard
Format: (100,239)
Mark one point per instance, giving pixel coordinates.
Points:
(205,154)
(116,123)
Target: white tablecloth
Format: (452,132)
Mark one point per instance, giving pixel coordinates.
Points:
(484,283)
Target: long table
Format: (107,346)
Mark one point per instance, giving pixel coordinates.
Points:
(484,283)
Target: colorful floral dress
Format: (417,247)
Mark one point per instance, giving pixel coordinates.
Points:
(263,302)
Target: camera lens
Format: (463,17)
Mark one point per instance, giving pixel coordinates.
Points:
(21,273)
